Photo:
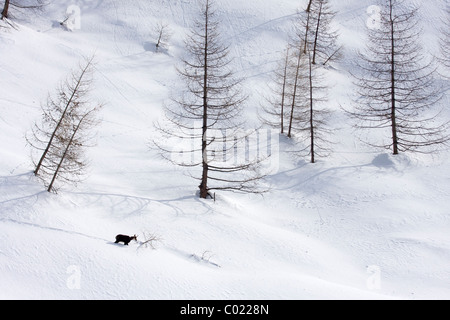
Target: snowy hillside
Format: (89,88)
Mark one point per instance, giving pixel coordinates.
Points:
(358,224)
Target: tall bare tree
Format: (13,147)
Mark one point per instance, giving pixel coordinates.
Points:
(59,139)
(396,84)
(309,116)
(206,116)
(316,116)
(315,44)
(301,86)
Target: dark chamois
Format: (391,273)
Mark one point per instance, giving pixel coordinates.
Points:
(125,239)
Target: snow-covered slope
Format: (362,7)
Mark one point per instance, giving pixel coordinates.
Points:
(358,224)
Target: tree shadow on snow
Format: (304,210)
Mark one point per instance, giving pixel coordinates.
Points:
(125,205)
(382,161)
(150,46)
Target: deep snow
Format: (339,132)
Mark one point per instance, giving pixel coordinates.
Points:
(360,224)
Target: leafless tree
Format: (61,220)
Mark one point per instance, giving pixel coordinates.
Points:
(58,141)
(20,5)
(162,33)
(205,117)
(314,41)
(300,82)
(309,116)
(316,116)
(396,84)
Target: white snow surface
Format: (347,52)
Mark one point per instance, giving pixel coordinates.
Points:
(359,224)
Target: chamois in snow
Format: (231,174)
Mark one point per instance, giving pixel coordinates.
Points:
(125,239)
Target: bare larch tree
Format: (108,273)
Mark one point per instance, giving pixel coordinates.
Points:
(300,81)
(308,116)
(396,84)
(315,45)
(58,141)
(300,90)
(206,116)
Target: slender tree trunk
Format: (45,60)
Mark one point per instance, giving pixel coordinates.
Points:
(284,89)
(311,112)
(317,33)
(158,43)
(204,183)
(294,96)
(309,6)
(44,155)
(5,10)
(308,20)
(393,82)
